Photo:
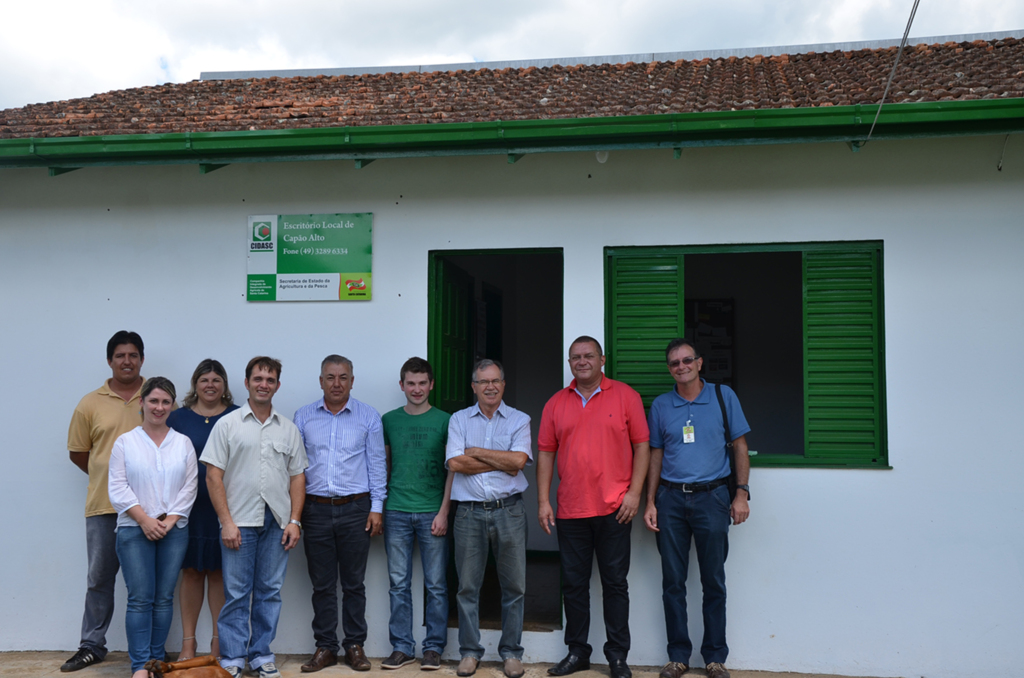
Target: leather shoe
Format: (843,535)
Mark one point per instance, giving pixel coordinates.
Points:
(717,670)
(321,659)
(356,658)
(619,669)
(84,657)
(513,668)
(467,667)
(673,670)
(570,664)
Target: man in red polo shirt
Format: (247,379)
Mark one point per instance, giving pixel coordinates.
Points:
(598,429)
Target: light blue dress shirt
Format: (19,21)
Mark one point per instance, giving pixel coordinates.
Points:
(345,451)
(507,430)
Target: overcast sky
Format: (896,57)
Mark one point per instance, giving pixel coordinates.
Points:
(61,49)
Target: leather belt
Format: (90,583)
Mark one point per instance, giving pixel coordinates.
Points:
(496,504)
(694,487)
(336,501)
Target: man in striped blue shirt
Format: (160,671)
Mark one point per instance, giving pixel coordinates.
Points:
(346,484)
(488,446)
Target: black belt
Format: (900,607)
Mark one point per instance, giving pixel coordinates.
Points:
(336,501)
(695,487)
(496,504)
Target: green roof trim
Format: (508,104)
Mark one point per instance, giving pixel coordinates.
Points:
(517,137)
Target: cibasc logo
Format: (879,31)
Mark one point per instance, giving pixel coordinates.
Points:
(261,232)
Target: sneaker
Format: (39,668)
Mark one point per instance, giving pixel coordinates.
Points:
(717,670)
(431,661)
(84,657)
(397,660)
(233,671)
(268,670)
(673,670)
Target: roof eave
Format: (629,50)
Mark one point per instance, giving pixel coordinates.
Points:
(516,137)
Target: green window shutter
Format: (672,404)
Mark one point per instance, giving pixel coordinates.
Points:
(645,311)
(843,394)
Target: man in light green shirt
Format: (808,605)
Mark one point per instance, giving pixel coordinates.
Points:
(419,490)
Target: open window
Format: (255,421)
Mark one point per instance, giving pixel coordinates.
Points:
(796,329)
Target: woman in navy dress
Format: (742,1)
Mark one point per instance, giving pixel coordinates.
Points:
(208,400)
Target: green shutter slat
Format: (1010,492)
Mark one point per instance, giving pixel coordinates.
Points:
(645,310)
(843,406)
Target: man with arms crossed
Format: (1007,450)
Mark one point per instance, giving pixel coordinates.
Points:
(688,495)
(100,418)
(598,429)
(255,462)
(488,446)
(346,484)
(419,491)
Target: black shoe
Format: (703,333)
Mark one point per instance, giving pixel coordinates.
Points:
(84,657)
(619,669)
(571,664)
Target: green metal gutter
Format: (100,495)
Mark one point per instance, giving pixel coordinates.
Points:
(518,137)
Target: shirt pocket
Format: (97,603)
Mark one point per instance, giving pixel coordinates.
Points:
(501,441)
(281,456)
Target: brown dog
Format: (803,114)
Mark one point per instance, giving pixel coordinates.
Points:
(200,667)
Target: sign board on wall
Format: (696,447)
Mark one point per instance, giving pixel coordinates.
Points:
(310,257)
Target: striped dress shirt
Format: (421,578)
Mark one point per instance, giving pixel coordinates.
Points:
(259,460)
(346,451)
(507,430)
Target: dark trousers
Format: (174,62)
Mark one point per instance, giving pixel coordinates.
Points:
(578,540)
(337,544)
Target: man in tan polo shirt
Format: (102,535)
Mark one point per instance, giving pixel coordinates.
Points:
(102,416)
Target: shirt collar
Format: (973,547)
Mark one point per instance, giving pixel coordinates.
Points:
(105,390)
(502,410)
(247,411)
(702,398)
(606,383)
(322,405)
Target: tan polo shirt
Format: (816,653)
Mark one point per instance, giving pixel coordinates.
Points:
(258,460)
(100,418)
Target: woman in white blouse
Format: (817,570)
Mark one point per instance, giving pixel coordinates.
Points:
(152,486)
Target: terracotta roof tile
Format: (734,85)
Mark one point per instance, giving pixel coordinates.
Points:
(947,72)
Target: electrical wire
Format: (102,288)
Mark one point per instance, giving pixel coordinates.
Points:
(892,73)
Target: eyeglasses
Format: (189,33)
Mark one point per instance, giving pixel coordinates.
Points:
(685,361)
(489,382)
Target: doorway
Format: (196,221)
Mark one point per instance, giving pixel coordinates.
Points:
(505,305)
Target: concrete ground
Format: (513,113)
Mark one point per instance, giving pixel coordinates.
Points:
(38,664)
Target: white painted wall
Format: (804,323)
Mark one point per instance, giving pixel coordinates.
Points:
(914,571)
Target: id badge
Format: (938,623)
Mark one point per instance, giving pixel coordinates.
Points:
(688,436)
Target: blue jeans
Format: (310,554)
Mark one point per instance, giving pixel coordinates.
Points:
(256,569)
(100,541)
(705,517)
(504,530)
(401,529)
(150,571)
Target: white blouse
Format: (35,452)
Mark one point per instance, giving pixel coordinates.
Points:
(159,479)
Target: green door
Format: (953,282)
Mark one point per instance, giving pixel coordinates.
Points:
(449,297)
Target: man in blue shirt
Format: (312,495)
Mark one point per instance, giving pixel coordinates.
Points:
(346,484)
(688,495)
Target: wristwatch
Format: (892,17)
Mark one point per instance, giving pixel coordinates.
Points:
(738,487)
(295,522)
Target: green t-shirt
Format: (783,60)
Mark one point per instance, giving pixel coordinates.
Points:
(417,444)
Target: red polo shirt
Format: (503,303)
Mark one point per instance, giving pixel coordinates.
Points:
(594,446)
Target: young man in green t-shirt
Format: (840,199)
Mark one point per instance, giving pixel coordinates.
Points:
(419,491)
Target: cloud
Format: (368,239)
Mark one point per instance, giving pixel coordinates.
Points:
(73,49)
